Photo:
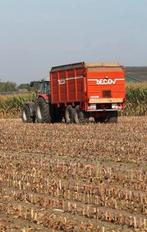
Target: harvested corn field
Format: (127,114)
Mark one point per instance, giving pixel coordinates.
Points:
(57,177)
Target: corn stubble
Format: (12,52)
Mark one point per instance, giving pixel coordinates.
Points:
(73,177)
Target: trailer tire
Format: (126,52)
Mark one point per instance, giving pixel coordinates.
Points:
(112,117)
(42,111)
(79,116)
(99,120)
(27,116)
(69,114)
(57,114)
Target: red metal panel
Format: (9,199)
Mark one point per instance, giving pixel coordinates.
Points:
(67,86)
(61,86)
(76,93)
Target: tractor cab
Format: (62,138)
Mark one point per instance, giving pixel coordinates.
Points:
(44,87)
(41,87)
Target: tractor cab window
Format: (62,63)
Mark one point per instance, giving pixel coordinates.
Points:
(45,87)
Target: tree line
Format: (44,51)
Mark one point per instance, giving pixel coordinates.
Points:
(9,86)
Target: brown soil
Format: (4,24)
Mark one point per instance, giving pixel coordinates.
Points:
(57,177)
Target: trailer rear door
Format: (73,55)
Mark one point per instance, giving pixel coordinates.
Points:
(105,84)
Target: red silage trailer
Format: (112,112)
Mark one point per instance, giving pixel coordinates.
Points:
(77,92)
(92,90)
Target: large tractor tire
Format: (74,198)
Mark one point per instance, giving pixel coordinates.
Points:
(28,113)
(69,114)
(42,111)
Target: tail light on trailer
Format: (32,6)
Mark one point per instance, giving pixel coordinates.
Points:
(92,107)
(117,106)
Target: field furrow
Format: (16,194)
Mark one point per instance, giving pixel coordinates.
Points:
(73,178)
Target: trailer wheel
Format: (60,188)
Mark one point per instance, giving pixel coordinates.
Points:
(112,117)
(42,111)
(26,116)
(101,119)
(79,116)
(56,114)
(69,114)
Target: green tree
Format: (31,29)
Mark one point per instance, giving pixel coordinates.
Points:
(7,86)
(24,86)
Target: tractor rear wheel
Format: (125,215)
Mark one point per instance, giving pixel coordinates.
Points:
(42,111)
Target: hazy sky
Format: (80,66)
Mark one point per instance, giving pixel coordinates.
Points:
(37,34)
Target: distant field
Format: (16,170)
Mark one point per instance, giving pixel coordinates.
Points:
(73,178)
(136,73)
